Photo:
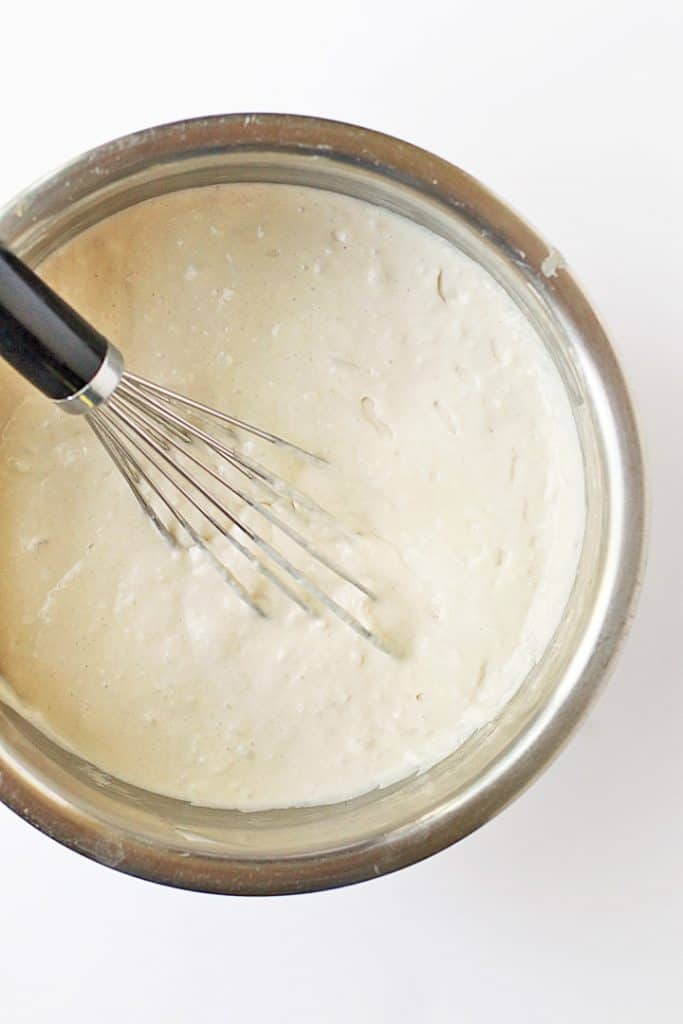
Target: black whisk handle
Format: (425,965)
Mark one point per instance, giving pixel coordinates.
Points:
(49,343)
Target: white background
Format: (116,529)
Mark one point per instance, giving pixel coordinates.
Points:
(569,906)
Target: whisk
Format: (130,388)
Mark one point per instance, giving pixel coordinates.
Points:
(168,447)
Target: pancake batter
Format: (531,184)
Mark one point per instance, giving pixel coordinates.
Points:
(454,466)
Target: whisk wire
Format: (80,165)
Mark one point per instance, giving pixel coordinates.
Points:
(131,474)
(258,507)
(270,482)
(216,414)
(249,555)
(133,420)
(189,529)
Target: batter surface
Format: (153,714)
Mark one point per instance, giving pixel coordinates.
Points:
(454,465)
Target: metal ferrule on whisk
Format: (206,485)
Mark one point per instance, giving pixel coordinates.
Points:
(99,390)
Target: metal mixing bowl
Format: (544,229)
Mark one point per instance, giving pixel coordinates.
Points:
(305,849)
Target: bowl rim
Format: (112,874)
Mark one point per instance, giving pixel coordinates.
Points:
(543,737)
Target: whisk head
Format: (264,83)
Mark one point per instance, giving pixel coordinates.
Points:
(180,458)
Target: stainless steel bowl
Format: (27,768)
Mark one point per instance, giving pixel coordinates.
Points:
(305,849)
